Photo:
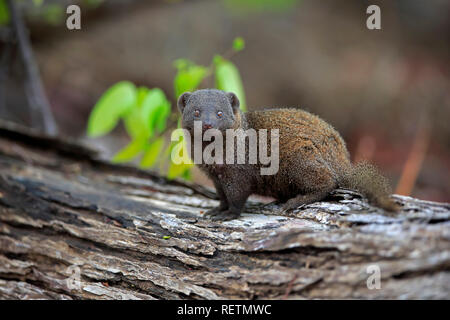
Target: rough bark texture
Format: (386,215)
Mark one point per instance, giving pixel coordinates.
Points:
(130,234)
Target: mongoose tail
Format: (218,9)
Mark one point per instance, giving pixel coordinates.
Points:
(365,178)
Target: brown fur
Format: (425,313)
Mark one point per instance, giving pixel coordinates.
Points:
(313,159)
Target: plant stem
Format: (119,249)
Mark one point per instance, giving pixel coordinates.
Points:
(41,115)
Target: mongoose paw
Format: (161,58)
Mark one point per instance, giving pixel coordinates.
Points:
(214,211)
(225,216)
(291,205)
(272,205)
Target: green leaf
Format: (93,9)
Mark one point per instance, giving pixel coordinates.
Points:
(189,76)
(229,79)
(141,94)
(187,174)
(133,149)
(156,110)
(134,124)
(238,44)
(152,152)
(115,103)
(178,170)
(151,113)
(133,120)
(181,64)
(4,13)
(160,116)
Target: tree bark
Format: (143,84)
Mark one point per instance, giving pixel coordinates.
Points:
(75,227)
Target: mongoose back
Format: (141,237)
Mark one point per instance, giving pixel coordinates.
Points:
(313,158)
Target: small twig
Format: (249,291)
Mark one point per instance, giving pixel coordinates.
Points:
(415,159)
(41,115)
(5,62)
(289,287)
(227,55)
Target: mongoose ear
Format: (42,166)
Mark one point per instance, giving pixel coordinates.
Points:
(182,100)
(234,101)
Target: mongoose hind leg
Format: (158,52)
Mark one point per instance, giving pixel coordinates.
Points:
(303,199)
(315,181)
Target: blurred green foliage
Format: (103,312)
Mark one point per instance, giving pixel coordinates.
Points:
(50,13)
(249,6)
(228,79)
(189,76)
(238,44)
(4,13)
(117,102)
(38,3)
(92,3)
(145,112)
(54,14)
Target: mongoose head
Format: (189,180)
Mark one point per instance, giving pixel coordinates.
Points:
(214,108)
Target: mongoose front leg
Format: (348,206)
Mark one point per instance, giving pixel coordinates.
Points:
(236,195)
(223,200)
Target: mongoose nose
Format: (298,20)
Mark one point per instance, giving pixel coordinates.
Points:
(206,126)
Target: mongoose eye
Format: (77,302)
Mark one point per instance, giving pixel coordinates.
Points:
(220,114)
(197,113)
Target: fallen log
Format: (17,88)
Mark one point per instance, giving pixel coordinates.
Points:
(75,227)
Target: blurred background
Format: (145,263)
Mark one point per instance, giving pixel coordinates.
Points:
(386,91)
